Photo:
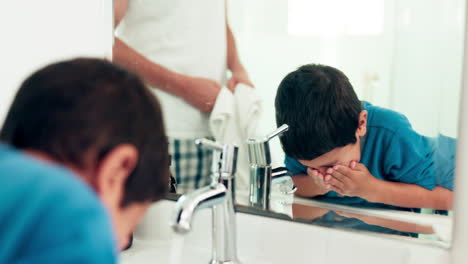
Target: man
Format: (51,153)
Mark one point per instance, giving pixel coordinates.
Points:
(182,48)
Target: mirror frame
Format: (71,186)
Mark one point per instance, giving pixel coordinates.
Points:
(460,216)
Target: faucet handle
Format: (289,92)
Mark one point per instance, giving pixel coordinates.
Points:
(259,148)
(208,144)
(280,130)
(224,163)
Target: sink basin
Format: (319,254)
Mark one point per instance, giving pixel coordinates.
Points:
(267,240)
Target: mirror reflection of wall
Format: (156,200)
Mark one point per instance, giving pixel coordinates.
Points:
(403,55)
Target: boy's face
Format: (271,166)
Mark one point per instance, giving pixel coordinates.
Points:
(342,155)
(126,220)
(109,182)
(338,156)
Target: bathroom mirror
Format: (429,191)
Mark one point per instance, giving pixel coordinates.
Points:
(398,54)
(404,55)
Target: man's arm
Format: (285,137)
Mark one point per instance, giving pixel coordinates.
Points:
(239,74)
(199,92)
(120,8)
(154,74)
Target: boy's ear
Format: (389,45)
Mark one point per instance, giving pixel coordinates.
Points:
(362,127)
(112,173)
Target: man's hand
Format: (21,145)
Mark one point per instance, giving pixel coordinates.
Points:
(200,92)
(353,181)
(318,179)
(239,76)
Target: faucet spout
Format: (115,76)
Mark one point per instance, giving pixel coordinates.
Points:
(189,204)
(220,197)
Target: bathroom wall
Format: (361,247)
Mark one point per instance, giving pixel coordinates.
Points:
(35,33)
(401,54)
(428,63)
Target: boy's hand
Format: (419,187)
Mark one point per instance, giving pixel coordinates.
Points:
(318,180)
(353,181)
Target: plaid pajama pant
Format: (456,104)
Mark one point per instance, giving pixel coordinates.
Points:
(191,166)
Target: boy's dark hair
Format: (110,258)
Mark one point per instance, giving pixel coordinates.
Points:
(321,108)
(83,108)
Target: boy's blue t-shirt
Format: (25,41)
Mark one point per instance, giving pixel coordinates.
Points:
(48,215)
(392,151)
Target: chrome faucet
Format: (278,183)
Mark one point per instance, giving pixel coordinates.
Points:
(219,196)
(261,173)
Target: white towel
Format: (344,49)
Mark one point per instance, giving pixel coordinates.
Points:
(222,118)
(249,107)
(233,120)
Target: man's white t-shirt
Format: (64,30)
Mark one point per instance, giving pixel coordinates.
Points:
(185,36)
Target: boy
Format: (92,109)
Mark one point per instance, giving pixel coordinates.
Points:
(345,151)
(93,157)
